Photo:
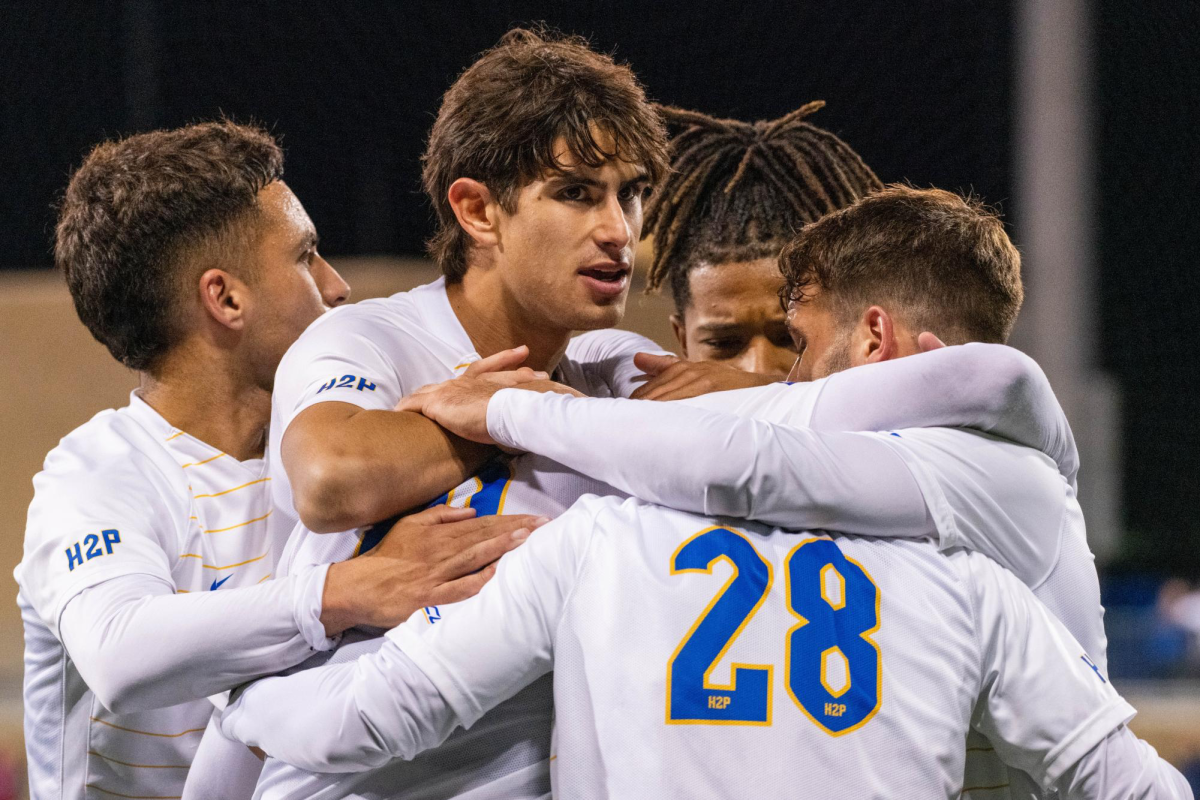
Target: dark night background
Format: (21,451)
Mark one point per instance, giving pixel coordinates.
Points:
(923,91)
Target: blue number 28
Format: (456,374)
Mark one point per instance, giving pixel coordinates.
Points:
(833,668)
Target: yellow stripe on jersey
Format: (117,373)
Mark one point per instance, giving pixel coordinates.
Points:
(241,524)
(138,766)
(227,566)
(175,435)
(148,733)
(264,577)
(234,489)
(205,461)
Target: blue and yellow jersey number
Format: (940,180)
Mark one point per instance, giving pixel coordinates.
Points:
(485,492)
(833,670)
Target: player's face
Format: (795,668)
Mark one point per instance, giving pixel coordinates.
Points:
(820,336)
(291,286)
(566,253)
(733,316)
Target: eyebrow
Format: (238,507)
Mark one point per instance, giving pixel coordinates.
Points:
(573,176)
(720,327)
(309,240)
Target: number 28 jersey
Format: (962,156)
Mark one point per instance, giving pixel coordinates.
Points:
(758,663)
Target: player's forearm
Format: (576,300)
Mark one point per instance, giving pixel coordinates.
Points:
(355,716)
(138,646)
(716,464)
(1122,766)
(991,388)
(356,468)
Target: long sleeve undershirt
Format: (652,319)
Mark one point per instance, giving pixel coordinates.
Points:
(139,645)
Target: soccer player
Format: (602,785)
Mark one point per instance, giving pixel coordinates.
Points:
(736,193)
(899,509)
(537,166)
(866,281)
(144,582)
(698,657)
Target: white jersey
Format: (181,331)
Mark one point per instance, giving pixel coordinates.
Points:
(993,497)
(370,355)
(699,657)
(127,494)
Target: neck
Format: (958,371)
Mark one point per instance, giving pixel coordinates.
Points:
(494,321)
(217,406)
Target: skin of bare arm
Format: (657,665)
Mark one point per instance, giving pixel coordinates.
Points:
(351,466)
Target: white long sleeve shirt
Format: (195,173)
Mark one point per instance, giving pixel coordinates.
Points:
(703,657)
(144,550)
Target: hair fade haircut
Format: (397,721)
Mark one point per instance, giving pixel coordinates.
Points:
(499,122)
(738,191)
(139,211)
(941,261)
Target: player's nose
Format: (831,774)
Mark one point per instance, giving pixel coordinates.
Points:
(334,289)
(613,229)
(763,357)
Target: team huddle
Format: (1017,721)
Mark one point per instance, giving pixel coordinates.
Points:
(474,541)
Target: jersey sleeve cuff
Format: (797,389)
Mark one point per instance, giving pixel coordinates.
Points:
(1087,735)
(308,590)
(411,641)
(502,410)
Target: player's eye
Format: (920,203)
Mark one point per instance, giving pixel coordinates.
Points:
(783,339)
(574,193)
(726,346)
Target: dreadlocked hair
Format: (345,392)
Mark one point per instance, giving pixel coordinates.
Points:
(738,191)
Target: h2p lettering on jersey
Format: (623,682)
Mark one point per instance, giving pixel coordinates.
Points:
(90,547)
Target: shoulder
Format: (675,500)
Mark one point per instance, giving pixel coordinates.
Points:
(109,470)
(112,446)
(608,343)
(375,320)
(600,363)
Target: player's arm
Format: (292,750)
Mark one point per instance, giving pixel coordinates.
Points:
(1044,705)
(350,466)
(350,458)
(1122,766)
(138,644)
(986,387)
(424,682)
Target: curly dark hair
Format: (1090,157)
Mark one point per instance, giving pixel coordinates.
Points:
(942,261)
(500,120)
(738,191)
(142,214)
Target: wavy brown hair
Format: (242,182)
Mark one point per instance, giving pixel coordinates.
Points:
(499,123)
(941,261)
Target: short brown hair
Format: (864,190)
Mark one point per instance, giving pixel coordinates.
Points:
(140,210)
(943,260)
(499,121)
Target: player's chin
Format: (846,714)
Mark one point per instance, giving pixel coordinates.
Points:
(592,316)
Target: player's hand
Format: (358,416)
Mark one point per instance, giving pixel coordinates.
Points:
(460,405)
(440,555)
(672,378)
(502,362)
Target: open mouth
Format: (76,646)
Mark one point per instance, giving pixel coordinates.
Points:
(605,274)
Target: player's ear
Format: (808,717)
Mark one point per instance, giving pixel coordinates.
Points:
(223,298)
(475,210)
(876,339)
(680,334)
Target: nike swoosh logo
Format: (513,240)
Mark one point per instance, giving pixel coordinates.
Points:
(217,584)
